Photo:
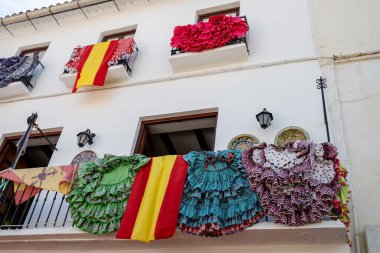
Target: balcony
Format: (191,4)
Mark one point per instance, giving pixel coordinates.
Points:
(23,85)
(46,216)
(117,73)
(234,51)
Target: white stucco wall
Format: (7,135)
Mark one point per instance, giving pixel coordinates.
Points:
(346,26)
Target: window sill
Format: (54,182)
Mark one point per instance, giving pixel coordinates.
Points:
(209,58)
(14,89)
(115,74)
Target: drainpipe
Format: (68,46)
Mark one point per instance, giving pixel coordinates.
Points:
(344,146)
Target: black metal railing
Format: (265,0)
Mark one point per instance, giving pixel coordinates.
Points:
(244,39)
(46,209)
(30,78)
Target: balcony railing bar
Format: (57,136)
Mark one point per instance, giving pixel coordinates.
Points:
(12,202)
(27,204)
(244,39)
(34,208)
(67,213)
(18,206)
(51,208)
(59,209)
(42,208)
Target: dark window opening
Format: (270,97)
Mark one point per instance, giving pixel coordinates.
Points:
(38,154)
(177,135)
(234,12)
(119,36)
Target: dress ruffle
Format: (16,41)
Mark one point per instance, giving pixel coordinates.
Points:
(98,199)
(217,199)
(286,190)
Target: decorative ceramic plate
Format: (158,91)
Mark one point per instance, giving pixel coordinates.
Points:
(289,134)
(243,142)
(84,156)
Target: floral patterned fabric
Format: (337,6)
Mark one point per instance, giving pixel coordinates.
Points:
(100,192)
(124,49)
(217,32)
(217,199)
(16,67)
(290,191)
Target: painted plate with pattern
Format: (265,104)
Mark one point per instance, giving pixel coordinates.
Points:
(84,156)
(243,142)
(289,134)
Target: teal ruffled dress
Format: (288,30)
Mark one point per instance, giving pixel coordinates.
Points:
(101,190)
(217,199)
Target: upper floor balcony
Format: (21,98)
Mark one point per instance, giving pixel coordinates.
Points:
(120,63)
(36,216)
(18,75)
(219,41)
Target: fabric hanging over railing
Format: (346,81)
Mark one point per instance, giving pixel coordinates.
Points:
(16,67)
(217,32)
(29,182)
(93,64)
(124,49)
(152,209)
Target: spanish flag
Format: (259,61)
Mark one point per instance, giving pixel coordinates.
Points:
(153,206)
(93,64)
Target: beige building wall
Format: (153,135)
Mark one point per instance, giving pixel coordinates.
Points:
(349,30)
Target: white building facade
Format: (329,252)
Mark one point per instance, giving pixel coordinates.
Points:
(291,43)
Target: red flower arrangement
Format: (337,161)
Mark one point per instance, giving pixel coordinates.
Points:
(217,32)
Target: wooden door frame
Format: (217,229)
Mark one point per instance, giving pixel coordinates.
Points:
(139,146)
(8,138)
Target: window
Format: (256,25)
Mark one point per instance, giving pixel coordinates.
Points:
(37,154)
(233,12)
(177,135)
(38,50)
(119,36)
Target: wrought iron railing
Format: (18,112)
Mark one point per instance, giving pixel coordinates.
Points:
(30,78)
(244,39)
(46,209)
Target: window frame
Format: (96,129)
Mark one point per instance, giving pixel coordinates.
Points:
(34,50)
(143,131)
(235,10)
(118,36)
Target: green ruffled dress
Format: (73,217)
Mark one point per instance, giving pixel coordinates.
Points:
(101,190)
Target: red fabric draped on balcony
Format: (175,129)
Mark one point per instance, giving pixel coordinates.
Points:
(124,48)
(217,32)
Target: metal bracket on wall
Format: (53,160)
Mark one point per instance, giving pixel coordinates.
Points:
(26,14)
(6,28)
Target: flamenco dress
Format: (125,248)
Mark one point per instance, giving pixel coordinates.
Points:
(217,199)
(101,190)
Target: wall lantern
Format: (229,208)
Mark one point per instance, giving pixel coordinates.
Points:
(264,118)
(85,137)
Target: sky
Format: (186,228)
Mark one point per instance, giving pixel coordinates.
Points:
(8,7)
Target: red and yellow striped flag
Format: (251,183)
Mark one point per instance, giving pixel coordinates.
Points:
(153,206)
(93,64)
